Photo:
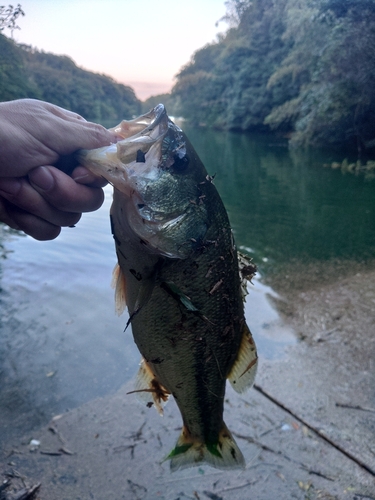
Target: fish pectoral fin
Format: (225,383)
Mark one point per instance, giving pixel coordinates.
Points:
(144,293)
(143,296)
(190,451)
(242,374)
(149,389)
(179,295)
(119,284)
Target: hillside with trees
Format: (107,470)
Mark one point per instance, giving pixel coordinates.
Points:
(303,69)
(27,72)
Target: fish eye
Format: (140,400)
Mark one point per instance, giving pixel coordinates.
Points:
(180,163)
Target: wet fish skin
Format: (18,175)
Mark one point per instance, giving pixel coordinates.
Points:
(179,272)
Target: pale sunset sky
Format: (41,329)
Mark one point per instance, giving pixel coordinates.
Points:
(141,43)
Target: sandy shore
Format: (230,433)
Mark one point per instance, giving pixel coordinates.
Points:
(318,299)
(307,430)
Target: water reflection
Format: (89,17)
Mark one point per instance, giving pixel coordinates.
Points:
(60,342)
(285,205)
(271,334)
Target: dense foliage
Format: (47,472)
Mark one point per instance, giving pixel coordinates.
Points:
(302,68)
(25,72)
(14,81)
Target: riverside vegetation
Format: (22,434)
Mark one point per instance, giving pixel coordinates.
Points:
(27,72)
(301,69)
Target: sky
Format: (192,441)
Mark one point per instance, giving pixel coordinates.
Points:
(141,43)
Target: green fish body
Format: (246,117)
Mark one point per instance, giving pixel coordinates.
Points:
(178,274)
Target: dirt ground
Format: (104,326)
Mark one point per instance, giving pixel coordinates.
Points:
(307,429)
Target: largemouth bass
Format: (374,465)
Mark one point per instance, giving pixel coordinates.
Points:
(178,274)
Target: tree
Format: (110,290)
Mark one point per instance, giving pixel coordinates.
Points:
(302,68)
(235,10)
(14,79)
(332,61)
(26,72)
(9,16)
(225,83)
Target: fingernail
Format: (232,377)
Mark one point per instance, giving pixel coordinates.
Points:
(42,178)
(9,186)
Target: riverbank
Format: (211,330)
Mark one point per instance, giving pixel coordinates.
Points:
(307,430)
(320,299)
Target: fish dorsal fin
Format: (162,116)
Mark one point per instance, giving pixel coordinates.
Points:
(119,284)
(149,389)
(243,371)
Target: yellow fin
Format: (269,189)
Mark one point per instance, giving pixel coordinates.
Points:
(190,452)
(119,284)
(242,374)
(149,389)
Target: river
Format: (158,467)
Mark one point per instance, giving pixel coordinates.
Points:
(61,343)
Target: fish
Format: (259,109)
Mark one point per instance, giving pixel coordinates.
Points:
(182,280)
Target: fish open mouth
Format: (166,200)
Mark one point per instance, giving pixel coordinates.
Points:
(137,138)
(143,125)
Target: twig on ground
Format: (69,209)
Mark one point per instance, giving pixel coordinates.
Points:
(27,493)
(355,407)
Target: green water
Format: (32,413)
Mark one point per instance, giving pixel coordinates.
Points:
(285,205)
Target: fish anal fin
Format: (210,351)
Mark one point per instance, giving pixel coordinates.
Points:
(242,374)
(119,284)
(190,452)
(149,389)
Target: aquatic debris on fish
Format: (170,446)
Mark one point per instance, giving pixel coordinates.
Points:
(178,273)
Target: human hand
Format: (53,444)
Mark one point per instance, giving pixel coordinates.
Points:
(35,196)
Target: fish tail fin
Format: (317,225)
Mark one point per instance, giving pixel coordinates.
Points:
(190,452)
